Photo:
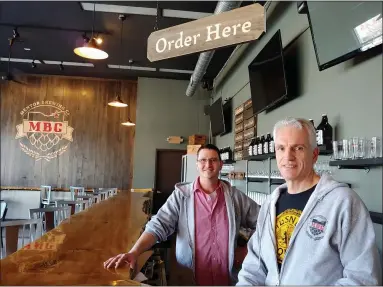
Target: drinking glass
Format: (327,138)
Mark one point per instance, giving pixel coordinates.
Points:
(376,147)
(355,148)
(337,149)
(361,148)
(346,153)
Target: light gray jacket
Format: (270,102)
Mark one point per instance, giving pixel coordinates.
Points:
(344,252)
(177,214)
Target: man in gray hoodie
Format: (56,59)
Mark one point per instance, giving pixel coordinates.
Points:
(206,215)
(312,230)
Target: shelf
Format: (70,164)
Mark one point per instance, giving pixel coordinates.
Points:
(228,161)
(274,180)
(324,151)
(364,163)
(262,157)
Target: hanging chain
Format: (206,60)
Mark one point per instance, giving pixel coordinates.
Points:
(157,15)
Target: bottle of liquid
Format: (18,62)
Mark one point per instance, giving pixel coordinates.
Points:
(255,146)
(266,144)
(250,147)
(324,133)
(260,145)
(229,153)
(271,145)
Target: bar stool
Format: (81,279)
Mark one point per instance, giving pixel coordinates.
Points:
(3,206)
(51,216)
(76,190)
(76,205)
(12,234)
(3,209)
(114,191)
(88,197)
(45,195)
(104,192)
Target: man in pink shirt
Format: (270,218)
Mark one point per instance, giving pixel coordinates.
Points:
(207,215)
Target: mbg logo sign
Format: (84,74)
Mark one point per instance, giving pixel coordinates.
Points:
(44,132)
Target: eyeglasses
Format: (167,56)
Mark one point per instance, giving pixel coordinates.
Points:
(210,160)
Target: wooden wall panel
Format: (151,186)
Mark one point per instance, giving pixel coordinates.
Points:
(101,154)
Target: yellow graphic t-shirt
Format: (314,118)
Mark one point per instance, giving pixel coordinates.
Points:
(284,227)
(289,208)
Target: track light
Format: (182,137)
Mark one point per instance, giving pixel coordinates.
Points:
(33,64)
(98,40)
(61,66)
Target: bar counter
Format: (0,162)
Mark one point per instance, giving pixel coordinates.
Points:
(73,253)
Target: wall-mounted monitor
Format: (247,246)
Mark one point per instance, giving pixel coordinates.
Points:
(342,29)
(267,76)
(217,121)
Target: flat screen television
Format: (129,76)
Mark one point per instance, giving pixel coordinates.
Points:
(268,84)
(342,29)
(227,116)
(217,121)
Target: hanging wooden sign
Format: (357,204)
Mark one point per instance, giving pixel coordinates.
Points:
(175,139)
(236,26)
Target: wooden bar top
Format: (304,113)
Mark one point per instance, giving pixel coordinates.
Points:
(74,252)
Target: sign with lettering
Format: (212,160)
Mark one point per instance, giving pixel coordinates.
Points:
(44,132)
(233,27)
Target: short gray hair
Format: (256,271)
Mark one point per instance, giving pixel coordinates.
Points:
(298,123)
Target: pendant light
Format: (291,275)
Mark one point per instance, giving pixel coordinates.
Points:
(122,18)
(117,102)
(91,47)
(128,123)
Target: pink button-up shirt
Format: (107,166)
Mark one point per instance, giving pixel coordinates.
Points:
(211,237)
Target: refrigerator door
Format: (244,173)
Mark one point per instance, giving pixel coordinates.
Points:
(189,168)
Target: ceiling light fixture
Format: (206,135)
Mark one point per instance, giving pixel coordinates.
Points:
(90,48)
(17,60)
(124,67)
(33,64)
(98,40)
(176,71)
(122,18)
(61,66)
(128,123)
(27,49)
(76,64)
(117,102)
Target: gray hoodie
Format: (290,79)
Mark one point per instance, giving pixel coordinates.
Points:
(177,214)
(343,253)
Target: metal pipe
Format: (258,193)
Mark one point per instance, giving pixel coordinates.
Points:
(205,57)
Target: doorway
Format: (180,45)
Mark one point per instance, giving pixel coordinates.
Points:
(168,169)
